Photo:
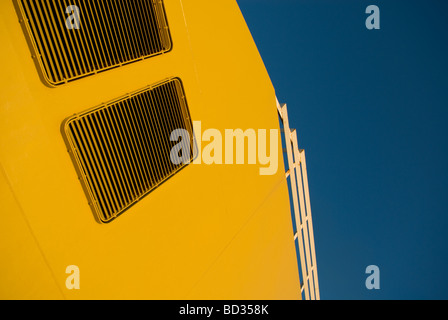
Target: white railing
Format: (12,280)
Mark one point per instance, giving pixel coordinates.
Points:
(298,179)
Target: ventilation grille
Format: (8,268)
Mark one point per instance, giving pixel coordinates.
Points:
(111,33)
(122,149)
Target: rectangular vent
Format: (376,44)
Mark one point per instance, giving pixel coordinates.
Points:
(121,149)
(111,33)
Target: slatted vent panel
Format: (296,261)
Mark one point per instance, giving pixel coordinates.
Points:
(122,149)
(111,33)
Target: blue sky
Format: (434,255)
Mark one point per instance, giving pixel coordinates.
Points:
(371,110)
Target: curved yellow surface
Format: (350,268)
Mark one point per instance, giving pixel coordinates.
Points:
(210,232)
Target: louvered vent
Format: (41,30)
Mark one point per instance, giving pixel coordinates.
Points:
(111,33)
(122,149)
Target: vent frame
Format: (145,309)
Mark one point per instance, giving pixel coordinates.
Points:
(83,176)
(45,72)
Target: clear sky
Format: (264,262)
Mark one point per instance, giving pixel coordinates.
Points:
(371,111)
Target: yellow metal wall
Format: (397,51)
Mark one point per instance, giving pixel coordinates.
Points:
(210,232)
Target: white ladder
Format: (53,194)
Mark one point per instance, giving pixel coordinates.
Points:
(309,285)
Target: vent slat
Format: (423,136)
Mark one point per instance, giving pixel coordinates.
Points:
(125,141)
(122,149)
(133,145)
(112,33)
(97,173)
(106,163)
(111,159)
(181,120)
(124,169)
(163,140)
(149,124)
(141,141)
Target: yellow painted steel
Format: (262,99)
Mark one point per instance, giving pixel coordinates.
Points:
(211,232)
